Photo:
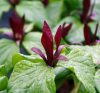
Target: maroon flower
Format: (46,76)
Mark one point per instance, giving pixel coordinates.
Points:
(89,38)
(17,25)
(86,15)
(45,2)
(52,56)
(14,2)
(66,29)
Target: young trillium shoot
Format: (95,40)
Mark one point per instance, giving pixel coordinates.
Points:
(14,2)
(52,56)
(45,2)
(89,38)
(86,15)
(17,25)
(66,29)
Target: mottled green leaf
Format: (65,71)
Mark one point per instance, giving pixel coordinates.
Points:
(19,57)
(93,50)
(32,39)
(82,65)
(97,80)
(29,77)
(7,49)
(34,11)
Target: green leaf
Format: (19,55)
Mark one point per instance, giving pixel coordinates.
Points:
(32,78)
(4,6)
(71,6)
(32,39)
(54,11)
(76,34)
(3,70)
(33,11)
(4,30)
(51,1)
(19,57)
(3,82)
(28,27)
(80,56)
(84,71)
(7,49)
(93,50)
(4,91)
(97,80)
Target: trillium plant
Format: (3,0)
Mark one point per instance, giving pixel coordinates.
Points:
(49,46)
(47,41)
(17,39)
(89,37)
(17,25)
(87,12)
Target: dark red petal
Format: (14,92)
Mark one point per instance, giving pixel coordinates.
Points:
(47,31)
(45,2)
(86,7)
(58,51)
(87,34)
(57,55)
(39,52)
(61,57)
(66,29)
(17,25)
(58,36)
(14,2)
(47,41)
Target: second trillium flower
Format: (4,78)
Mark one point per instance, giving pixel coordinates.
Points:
(17,25)
(52,56)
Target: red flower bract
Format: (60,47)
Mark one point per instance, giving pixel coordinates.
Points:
(66,29)
(89,38)
(45,2)
(17,25)
(85,16)
(52,56)
(14,2)
(47,42)
(87,34)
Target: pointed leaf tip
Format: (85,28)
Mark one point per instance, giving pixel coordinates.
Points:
(47,41)
(58,51)
(61,57)
(47,31)
(39,52)
(86,8)
(58,36)
(17,25)
(87,34)
(66,29)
